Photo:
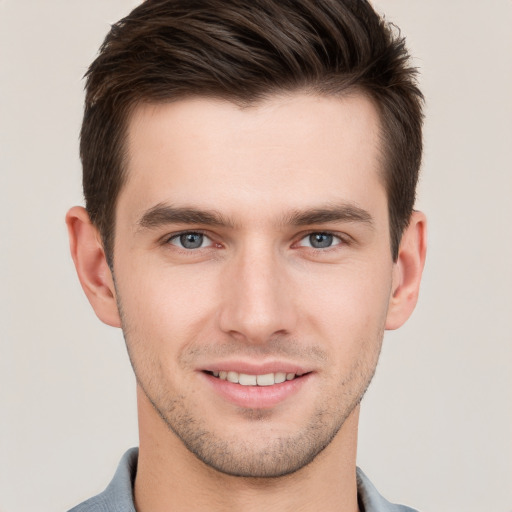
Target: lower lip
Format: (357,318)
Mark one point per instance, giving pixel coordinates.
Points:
(256,397)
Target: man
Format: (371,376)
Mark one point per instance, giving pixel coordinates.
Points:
(249,175)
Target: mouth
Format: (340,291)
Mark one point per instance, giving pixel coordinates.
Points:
(257,386)
(245,379)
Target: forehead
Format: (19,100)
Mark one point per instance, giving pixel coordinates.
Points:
(290,151)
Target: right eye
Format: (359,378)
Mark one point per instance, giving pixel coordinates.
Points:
(190,240)
(320,240)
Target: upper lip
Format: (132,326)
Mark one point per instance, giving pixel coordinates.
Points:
(252,368)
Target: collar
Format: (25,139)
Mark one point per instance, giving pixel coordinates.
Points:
(118,495)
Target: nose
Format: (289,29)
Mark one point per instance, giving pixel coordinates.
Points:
(258,297)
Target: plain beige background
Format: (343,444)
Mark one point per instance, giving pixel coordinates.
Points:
(436,427)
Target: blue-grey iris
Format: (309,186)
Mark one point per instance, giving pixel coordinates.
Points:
(320,240)
(191,240)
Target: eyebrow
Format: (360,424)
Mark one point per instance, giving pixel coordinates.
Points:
(345,212)
(163,214)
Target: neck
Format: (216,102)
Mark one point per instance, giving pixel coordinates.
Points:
(170,478)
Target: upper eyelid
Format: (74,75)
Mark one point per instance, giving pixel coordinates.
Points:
(168,237)
(168,241)
(333,234)
(344,237)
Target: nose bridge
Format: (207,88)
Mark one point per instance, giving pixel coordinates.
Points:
(257,301)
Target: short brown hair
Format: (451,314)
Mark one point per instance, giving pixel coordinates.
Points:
(245,50)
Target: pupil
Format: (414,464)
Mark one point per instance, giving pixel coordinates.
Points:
(320,240)
(191,240)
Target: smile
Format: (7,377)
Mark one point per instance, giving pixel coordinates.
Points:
(258,388)
(244,379)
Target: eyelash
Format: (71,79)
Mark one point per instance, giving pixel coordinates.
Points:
(342,240)
(176,236)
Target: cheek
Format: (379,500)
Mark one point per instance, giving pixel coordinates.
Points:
(164,306)
(348,305)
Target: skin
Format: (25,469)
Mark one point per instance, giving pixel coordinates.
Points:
(254,186)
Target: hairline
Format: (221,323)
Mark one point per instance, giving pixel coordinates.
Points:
(351,89)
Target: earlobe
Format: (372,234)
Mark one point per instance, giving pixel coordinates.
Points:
(91,265)
(407,271)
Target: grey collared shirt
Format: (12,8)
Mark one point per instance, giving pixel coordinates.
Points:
(118,496)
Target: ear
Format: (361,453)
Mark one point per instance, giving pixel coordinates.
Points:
(91,265)
(407,271)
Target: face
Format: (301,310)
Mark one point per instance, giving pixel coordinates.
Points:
(253,272)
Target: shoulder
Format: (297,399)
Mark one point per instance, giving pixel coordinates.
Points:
(370,500)
(118,496)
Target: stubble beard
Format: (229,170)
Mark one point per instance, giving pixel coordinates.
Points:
(279,455)
(276,455)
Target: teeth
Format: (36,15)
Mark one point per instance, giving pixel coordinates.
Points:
(265,380)
(247,380)
(279,377)
(268,379)
(233,377)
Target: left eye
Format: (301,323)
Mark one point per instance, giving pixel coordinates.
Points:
(320,240)
(190,240)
